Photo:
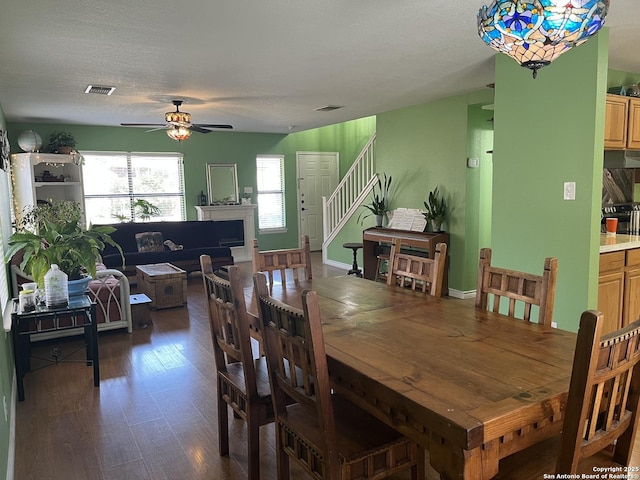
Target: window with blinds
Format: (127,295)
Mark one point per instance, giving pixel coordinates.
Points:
(270,194)
(115,181)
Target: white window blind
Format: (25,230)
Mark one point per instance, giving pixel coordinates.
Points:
(113,181)
(270,180)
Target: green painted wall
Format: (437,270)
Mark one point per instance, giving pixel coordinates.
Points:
(426,146)
(6,349)
(548,131)
(616,78)
(479,190)
(222,147)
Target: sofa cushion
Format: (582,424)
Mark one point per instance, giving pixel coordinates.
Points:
(145,258)
(149,242)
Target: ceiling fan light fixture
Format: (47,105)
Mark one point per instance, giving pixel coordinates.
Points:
(177,117)
(179,133)
(536,32)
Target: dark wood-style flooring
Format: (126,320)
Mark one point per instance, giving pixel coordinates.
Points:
(153,416)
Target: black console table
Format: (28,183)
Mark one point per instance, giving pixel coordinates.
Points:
(80,313)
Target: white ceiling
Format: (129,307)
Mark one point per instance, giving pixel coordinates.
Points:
(262,66)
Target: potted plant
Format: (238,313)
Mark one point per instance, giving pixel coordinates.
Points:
(61,142)
(52,233)
(379,204)
(144,209)
(436,210)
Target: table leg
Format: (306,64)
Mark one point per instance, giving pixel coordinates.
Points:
(94,346)
(18,355)
(453,463)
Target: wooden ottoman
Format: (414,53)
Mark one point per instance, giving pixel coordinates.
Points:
(164,283)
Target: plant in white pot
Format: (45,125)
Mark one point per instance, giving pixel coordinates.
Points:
(379,203)
(53,234)
(436,210)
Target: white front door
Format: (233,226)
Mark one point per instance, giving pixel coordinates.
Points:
(317,178)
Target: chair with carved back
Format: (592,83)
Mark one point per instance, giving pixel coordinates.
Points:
(293,259)
(517,287)
(325,434)
(415,271)
(601,416)
(242,381)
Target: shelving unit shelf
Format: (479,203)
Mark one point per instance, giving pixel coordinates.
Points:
(27,167)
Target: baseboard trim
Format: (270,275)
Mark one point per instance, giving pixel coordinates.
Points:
(462,294)
(333,263)
(11,454)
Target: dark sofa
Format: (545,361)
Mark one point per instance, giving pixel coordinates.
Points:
(197,238)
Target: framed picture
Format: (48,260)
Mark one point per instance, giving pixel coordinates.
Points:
(222,183)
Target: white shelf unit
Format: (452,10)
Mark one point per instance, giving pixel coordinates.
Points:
(27,167)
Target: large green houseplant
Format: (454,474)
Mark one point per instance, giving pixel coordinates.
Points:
(53,234)
(379,203)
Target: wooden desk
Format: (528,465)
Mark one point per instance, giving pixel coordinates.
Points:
(372,238)
(471,386)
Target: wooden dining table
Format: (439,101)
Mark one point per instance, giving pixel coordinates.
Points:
(471,386)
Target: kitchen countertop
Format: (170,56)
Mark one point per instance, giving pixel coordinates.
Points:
(615,243)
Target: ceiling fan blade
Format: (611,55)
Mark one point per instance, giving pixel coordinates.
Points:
(196,128)
(212,125)
(147,125)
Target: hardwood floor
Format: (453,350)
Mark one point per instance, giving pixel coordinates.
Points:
(153,416)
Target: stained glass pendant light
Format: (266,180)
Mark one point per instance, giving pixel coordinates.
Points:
(180,121)
(179,133)
(536,32)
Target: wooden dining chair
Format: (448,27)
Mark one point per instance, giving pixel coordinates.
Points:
(412,270)
(242,381)
(518,287)
(325,434)
(601,416)
(293,259)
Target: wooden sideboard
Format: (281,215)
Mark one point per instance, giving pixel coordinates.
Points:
(376,240)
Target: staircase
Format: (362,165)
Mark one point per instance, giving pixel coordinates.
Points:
(349,194)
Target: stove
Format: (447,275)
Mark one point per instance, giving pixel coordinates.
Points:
(628,215)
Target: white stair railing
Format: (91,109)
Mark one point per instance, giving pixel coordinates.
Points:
(349,194)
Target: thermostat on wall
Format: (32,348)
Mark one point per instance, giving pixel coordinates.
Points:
(473,162)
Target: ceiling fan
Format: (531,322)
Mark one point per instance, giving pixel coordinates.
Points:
(178,124)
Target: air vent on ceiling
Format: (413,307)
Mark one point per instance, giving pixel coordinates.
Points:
(99,90)
(328,108)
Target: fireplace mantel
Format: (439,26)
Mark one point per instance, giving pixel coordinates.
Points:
(246,213)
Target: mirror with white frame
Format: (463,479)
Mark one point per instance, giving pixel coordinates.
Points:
(222,183)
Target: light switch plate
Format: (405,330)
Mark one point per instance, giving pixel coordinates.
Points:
(473,162)
(569,190)
(248,189)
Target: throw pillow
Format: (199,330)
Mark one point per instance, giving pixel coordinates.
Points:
(149,242)
(173,246)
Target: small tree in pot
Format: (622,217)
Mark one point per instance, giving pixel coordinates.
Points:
(379,204)
(61,142)
(436,210)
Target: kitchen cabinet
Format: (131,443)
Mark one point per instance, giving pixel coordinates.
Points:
(611,289)
(616,122)
(619,288)
(633,129)
(45,177)
(622,123)
(631,304)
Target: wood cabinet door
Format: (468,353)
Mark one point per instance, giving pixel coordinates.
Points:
(615,125)
(631,297)
(610,296)
(633,131)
